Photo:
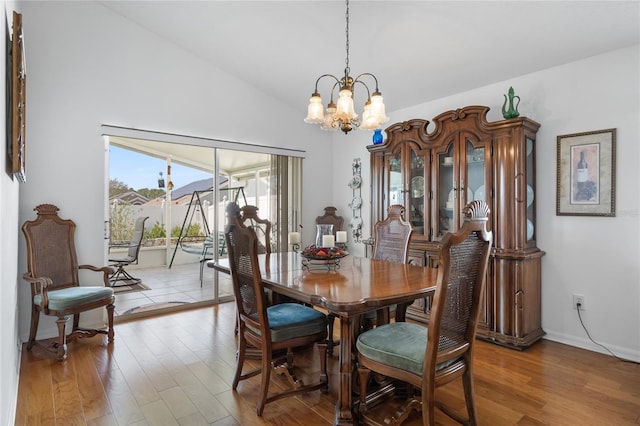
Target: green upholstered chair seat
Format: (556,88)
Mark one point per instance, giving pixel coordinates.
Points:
(74,296)
(401,345)
(290,320)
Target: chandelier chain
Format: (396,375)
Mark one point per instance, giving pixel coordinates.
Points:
(347,69)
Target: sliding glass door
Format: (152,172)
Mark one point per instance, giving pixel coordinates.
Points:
(183,188)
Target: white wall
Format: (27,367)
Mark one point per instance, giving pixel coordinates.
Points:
(594,256)
(9,228)
(88,67)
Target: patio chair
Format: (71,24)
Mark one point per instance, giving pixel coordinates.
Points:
(272,329)
(55,287)
(427,357)
(119,262)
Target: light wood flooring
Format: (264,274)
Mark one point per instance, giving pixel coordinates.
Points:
(176,369)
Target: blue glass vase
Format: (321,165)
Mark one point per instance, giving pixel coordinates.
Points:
(377,136)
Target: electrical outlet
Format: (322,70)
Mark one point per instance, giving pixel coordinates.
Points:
(579,299)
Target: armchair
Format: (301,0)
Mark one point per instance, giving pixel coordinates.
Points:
(53,274)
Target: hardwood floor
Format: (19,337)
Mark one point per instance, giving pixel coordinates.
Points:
(176,369)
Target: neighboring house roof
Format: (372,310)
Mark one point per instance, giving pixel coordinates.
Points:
(199,185)
(184,194)
(129,197)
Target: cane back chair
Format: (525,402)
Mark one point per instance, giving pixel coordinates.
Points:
(53,273)
(391,243)
(272,329)
(428,357)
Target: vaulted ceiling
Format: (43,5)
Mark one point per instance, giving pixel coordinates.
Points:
(419,50)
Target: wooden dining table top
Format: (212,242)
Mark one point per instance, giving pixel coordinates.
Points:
(358,285)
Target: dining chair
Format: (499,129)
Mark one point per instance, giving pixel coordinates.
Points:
(273,329)
(391,243)
(53,268)
(329,217)
(428,357)
(119,262)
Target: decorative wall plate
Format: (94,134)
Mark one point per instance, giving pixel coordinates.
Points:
(355,182)
(356,202)
(356,222)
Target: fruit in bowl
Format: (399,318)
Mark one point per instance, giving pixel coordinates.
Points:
(313,252)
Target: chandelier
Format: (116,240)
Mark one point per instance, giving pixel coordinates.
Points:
(342,115)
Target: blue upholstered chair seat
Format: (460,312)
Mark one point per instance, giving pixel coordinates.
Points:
(290,320)
(74,296)
(400,344)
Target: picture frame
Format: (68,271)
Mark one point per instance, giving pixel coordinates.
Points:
(16,96)
(586,173)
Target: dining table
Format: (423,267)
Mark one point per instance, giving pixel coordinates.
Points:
(346,287)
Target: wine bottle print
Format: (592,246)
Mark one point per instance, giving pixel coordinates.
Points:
(585,188)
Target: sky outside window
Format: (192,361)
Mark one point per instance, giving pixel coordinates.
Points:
(143,171)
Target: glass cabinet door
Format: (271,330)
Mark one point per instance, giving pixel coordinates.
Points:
(462,178)
(531,209)
(394,181)
(415,209)
(475,173)
(446,197)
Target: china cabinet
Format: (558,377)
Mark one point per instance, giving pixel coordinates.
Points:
(435,174)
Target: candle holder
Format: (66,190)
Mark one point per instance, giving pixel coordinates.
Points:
(321,231)
(331,265)
(294,241)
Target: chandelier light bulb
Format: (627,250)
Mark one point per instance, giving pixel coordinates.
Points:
(315,114)
(345,109)
(329,118)
(377,109)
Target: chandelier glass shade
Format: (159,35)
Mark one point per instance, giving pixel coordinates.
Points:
(341,115)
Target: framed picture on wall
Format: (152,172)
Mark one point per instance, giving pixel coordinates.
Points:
(586,174)
(16,106)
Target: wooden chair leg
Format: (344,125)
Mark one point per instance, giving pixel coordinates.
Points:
(363,374)
(323,349)
(467,383)
(264,383)
(62,338)
(76,321)
(35,319)
(110,333)
(242,347)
